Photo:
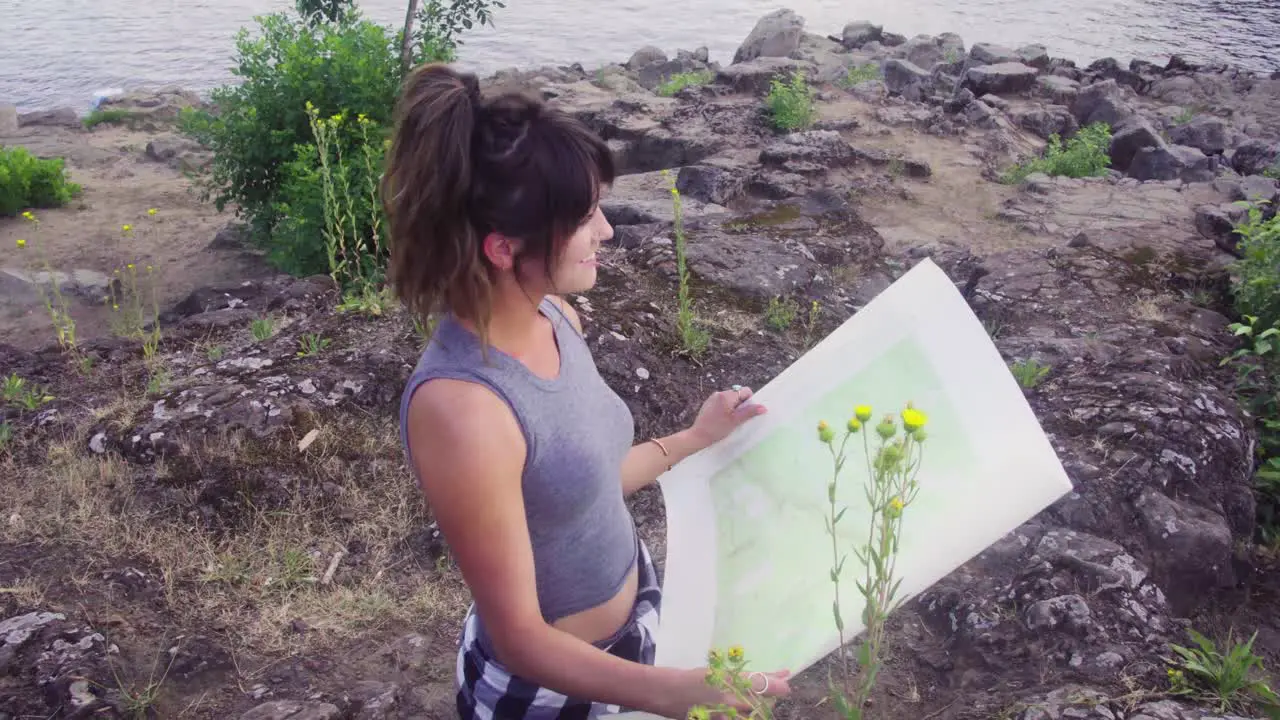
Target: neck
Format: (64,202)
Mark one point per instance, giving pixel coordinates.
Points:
(513,318)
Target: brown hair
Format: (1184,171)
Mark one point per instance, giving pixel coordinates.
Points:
(461,166)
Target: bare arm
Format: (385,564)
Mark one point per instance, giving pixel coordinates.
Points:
(469,452)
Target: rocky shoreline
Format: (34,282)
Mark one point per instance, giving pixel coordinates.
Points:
(1115,283)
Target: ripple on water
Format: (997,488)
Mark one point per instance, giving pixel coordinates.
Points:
(62,53)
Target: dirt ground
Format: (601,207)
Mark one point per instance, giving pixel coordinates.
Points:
(121,183)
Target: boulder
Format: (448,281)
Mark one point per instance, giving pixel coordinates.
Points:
(1254,157)
(1101,102)
(1059,90)
(754,77)
(774,35)
(1037,56)
(991,54)
(1256,188)
(1172,162)
(922,50)
(1191,544)
(1205,133)
(1130,138)
(1218,223)
(857,34)
(1047,121)
(57,117)
(1002,78)
(711,183)
(907,79)
(645,56)
(809,152)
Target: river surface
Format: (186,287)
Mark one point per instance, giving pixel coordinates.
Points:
(62,53)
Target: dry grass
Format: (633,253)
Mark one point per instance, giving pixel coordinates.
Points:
(1149,310)
(284,518)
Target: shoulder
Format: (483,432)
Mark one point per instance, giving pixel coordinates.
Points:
(568,311)
(457,425)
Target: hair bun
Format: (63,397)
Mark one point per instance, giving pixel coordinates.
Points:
(472,85)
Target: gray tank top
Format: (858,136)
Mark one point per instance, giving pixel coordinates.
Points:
(577,432)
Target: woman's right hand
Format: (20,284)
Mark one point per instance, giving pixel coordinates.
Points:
(772,685)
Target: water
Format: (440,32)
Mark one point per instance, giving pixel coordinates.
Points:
(61,53)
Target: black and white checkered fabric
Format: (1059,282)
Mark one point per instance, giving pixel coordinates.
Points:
(486,691)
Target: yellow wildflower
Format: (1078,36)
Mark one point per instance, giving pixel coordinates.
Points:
(736,653)
(130,266)
(825,433)
(896,504)
(22,243)
(152,212)
(149,268)
(28,216)
(913,419)
(127,228)
(854,426)
(862,412)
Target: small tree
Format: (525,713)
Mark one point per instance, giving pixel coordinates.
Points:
(441,23)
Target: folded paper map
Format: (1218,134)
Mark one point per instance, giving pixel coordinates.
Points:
(748,555)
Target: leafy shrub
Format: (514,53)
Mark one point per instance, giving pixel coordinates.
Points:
(1086,154)
(27,181)
(1256,274)
(791,104)
(441,22)
(680,81)
(350,67)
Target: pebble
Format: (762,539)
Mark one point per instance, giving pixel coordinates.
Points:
(642,373)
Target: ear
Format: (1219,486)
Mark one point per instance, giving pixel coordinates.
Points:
(501,250)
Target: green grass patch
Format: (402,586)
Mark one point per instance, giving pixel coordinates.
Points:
(790,104)
(680,81)
(861,73)
(1086,154)
(110,116)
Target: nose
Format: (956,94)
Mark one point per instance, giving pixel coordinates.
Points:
(606,232)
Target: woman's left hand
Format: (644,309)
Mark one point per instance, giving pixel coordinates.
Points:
(722,413)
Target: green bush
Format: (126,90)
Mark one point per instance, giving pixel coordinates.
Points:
(1086,154)
(350,67)
(1256,274)
(27,181)
(791,104)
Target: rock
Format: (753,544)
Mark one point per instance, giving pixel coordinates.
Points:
(1218,223)
(813,151)
(372,700)
(88,285)
(18,631)
(1109,68)
(906,79)
(774,35)
(1254,157)
(8,120)
(645,56)
(749,264)
(1172,162)
(1101,102)
(1050,120)
(159,106)
(293,710)
(1191,544)
(1068,611)
(918,169)
(755,76)
(165,149)
(1037,56)
(1069,703)
(711,183)
(233,236)
(1256,188)
(982,115)
(922,50)
(1168,710)
(1133,136)
(1001,78)
(1205,133)
(870,91)
(991,54)
(857,34)
(58,117)
(1059,90)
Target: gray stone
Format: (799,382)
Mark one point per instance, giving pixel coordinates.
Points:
(58,117)
(1070,612)
(981,114)
(755,76)
(870,91)
(1254,157)
(1101,102)
(1190,544)
(1069,703)
(292,710)
(1218,222)
(645,56)
(1037,56)
(1134,136)
(1048,121)
(774,35)
(810,151)
(1167,710)
(374,700)
(1205,133)
(857,34)
(16,631)
(992,54)
(749,264)
(906,79)
(1060,90)
(1172,162)
(1256,188)
(1001,78)
(922,50)
(233,236)
(711,183)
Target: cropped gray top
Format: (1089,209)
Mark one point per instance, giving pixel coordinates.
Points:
(577,432)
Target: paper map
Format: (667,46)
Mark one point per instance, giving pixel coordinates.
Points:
(748,557)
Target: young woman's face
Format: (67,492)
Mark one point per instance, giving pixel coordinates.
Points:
(576,271)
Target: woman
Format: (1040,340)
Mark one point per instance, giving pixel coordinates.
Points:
(523,452)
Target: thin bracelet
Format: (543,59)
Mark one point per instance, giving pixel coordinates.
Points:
(663,448)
